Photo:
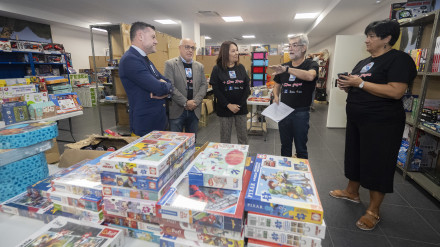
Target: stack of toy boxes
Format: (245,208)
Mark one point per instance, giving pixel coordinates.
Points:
(204,207)
(68,232)
(34,203)
(137,175)
(79,192)
(27,162)
(283,203)
(259,66)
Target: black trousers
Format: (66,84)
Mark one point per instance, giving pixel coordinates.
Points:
(371,150)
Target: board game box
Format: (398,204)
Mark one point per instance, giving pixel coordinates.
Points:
(145,182)
(219,166)
(286,190)
(198,206)
(260,243)
(150,155)
(121,206)
(80,213)
(286,238)
(170,241)
(119,220)
(286,225)
(89,202)
(145,235)
(69,232)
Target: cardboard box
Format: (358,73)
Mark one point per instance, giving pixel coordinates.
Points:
(209,105)
(53,154)
(74,154)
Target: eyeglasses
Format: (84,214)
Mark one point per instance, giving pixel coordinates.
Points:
(294,45)
(187,47)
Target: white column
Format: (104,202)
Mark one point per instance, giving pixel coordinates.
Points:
(191,30)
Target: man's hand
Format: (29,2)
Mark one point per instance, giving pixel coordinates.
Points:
(190,105)
(276,100)
(158,97)
(162,80)
(278,69)
(233,108)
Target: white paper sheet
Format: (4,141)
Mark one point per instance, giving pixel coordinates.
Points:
(277,112)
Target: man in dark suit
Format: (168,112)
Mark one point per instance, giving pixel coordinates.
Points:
(189,88)
(146,88)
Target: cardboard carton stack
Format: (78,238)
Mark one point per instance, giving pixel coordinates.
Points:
(204,207)
(137,175)
(283,204)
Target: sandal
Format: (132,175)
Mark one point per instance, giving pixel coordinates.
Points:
(368,222)
(342,194)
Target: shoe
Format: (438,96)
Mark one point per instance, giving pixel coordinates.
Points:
(342,194)
(368,222)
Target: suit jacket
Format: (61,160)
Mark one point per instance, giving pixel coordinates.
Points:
(175,71)
(140,78)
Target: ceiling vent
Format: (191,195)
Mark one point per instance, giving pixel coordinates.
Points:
(207,13)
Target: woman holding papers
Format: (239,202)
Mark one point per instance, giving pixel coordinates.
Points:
(230,84)
(375,118)
(295,81)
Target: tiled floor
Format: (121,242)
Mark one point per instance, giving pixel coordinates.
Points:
(410,216)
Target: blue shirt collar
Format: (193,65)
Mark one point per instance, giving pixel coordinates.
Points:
(183,60)
(139,50)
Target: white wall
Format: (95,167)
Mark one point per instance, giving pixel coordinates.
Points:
(77,42)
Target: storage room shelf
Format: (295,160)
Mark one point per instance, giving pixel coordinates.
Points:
(429,131)
(416,21)
(426,183)
(54,118)
(14,63)
(49,63)
(433,74)
(116,101)
(109,68)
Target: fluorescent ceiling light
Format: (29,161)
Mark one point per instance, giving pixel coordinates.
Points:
(256,45)
(166,22)
(306,15)
(103,23)
(207,37)
(99,29)
(248,36)
(290,35)
(232,18)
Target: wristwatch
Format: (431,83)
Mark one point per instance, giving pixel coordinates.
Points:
(361,85)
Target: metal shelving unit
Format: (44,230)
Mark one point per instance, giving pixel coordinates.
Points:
(427,77)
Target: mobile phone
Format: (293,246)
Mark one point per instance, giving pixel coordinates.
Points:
(339,76)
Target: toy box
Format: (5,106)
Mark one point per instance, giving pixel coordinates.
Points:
(12,91)
(80,213)
(32,98)
(132,223)
(202,229)
(15,112)
(32,46)
(24,135)
(200,208)
(5,45)
(284,187)
(68,232)
(89,202)
(145,182)
(84,181)
(275,236)
(150,155)
(145,218)
(219,166)
(65,103)
(53,48)
(121,206)
(170,241)
(260,243)
(153,237)
(11,155)
(285,225)
(201,237)
(410,9)
(38,111)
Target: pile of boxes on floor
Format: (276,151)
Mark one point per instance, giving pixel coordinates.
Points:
(155,190)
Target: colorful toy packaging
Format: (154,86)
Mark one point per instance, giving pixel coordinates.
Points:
(219,166)
(150,155)
(69,232)
(284,187)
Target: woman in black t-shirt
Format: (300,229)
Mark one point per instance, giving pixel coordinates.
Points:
(375,118)
(230,84)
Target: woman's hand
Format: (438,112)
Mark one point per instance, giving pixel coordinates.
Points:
(345,82)
(233,108)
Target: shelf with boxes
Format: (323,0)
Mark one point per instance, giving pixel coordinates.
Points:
(419,156)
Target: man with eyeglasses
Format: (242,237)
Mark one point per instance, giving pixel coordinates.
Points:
(146,88)
(189,88)
(295,81)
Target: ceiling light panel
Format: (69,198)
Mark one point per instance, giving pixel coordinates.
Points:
(166,22)
(232,18)
(248,36)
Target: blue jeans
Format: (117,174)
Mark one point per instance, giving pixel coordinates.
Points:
(295,128)
(188,119)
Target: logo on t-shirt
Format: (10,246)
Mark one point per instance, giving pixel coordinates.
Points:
(232,74)
(292,77)
(188,72)
(367,67)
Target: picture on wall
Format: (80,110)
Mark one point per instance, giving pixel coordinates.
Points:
(11,28)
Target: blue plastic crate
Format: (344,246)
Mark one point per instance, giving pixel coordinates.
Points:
(23,135)
(260,62)
(17,176)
